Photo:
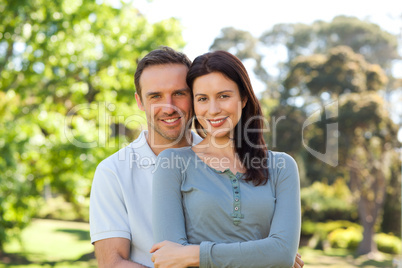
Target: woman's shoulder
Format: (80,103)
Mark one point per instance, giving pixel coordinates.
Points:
(280,160)
(283,169)
(174,152)
(172,160)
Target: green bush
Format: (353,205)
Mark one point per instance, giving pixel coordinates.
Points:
(348,238)
(320,231)
(58,208)
(346,235)
(388,243)
(309,227)
(321,202)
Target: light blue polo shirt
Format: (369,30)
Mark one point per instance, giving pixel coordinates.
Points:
(121,202)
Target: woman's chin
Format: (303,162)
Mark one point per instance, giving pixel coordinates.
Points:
(219,134)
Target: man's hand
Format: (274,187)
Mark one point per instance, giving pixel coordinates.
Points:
(298,261)
(168,254)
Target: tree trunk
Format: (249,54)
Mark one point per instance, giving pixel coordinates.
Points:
(371,189)
(367,245)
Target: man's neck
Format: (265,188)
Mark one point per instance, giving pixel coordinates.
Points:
(158,145)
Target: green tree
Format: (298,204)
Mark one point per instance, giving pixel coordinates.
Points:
(366,38)
(363,37)
(66,96)
(367,134)
(243,45)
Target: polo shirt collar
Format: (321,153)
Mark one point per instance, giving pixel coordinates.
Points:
(143,153)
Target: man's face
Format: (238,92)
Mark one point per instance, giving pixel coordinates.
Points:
(166,100)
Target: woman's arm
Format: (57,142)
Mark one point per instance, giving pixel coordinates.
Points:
(168,220)
(168,216)
(170,254)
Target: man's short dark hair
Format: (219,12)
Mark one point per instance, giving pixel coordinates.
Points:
(163,55)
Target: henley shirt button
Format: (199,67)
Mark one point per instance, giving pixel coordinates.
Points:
(236,208)
(234,180)
(236,199)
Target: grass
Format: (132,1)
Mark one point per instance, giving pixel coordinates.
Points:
(51,243)
(65,244)
(332,258)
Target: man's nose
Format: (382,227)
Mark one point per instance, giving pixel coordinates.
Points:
(168,106)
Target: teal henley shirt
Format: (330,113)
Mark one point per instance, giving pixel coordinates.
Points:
(235,223)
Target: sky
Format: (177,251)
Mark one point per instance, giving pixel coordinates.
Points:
(203,20)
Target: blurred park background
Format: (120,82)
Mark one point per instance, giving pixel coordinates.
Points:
(333,100)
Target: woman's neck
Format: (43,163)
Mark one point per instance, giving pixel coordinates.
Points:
(222,146)
(220,154)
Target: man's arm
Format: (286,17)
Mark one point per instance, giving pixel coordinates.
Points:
(108,212)
(114,253)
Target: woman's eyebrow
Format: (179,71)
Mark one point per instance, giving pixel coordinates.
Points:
(220,92)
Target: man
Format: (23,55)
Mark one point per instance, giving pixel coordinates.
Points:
(120,204)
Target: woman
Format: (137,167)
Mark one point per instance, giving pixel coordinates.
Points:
(234,201)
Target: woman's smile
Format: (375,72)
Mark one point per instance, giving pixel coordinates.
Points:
(217,122)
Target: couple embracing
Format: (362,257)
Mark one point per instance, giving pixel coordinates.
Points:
(216,199)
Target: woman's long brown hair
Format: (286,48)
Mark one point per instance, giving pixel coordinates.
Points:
(250,146)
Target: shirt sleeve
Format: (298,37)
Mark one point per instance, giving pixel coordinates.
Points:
(280,247)
(107,210)
(167,211)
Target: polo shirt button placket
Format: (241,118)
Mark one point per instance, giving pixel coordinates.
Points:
(236,215)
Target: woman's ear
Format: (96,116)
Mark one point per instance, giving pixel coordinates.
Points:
(244,102)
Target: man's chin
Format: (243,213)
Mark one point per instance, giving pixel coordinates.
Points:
(171,135)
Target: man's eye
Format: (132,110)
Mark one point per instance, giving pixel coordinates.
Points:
(155,96)
(179,93)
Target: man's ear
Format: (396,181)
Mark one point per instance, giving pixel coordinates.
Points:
(139,103)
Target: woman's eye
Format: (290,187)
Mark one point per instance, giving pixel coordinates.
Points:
(224,96)
(202,99)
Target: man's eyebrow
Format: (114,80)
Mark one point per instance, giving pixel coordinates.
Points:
(182,90)
(220,92)
(152,93)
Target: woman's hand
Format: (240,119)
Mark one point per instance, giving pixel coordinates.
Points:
(298,261)
(168,254)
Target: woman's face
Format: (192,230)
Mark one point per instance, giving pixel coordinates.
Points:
(217,104)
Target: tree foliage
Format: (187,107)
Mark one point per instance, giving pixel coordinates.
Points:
(66,95)
(366,132)
(365,38)
(243,45)
(375,44)
(342,71)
